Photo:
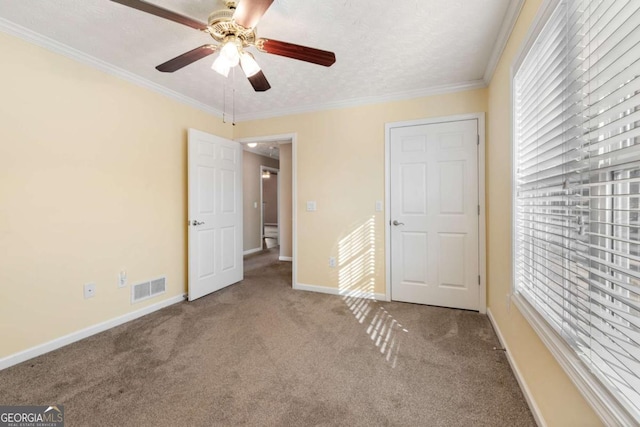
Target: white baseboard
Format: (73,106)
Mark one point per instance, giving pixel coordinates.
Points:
(251,251)
(57,343)
(537,415)
(336,291)
(285,258)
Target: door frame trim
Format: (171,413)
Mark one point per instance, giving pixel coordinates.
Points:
(482,235)
(294,193)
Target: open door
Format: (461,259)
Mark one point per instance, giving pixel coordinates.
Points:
(215,213)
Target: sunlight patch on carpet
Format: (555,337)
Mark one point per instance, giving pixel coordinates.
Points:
(356,283)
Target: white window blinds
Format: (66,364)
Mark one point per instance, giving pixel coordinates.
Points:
(577,185)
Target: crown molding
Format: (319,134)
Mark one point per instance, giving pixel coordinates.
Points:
(508,23)
(367,100)
(38,39)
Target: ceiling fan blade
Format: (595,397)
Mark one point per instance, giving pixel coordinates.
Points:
(259,82)
(302,53)
(163,13)
(186,58)
(249,12)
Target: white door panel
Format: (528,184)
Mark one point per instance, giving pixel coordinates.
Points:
(434,199)
(228,241)
(452,246)
(215,213)
(414,246)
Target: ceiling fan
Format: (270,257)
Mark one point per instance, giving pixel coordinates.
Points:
(234,28)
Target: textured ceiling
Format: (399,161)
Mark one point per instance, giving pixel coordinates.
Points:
(267,148)
(383,48)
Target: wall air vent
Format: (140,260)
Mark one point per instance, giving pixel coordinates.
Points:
(149,289)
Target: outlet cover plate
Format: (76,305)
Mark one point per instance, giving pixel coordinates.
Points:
(89,290)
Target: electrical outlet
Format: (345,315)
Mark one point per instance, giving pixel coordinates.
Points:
(89,290)
(332,261)
(311,206)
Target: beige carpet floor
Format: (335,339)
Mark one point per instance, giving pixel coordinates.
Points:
(261,354)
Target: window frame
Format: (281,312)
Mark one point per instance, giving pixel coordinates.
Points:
(602,400)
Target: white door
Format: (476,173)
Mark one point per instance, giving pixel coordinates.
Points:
(215,213)
(434,214)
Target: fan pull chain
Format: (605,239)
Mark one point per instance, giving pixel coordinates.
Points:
(233,96)
(224,101)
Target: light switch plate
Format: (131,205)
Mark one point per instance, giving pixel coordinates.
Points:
(378,205)
(122,279)
(311,206)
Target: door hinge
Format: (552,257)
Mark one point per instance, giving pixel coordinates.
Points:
(478,280)
(478,139)
(478,210)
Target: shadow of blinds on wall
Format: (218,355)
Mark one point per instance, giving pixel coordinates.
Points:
(577,186)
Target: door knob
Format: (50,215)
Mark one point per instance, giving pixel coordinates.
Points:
(395,222)
(198,223)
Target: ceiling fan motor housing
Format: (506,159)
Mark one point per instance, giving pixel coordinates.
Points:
(222,26)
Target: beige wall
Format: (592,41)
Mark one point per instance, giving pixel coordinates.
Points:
(340,165)
(559,401)
(92,181)
(251,182)
(286,206)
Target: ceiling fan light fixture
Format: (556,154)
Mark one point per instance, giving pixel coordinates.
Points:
(231,52)
(221,66)
(249,64)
